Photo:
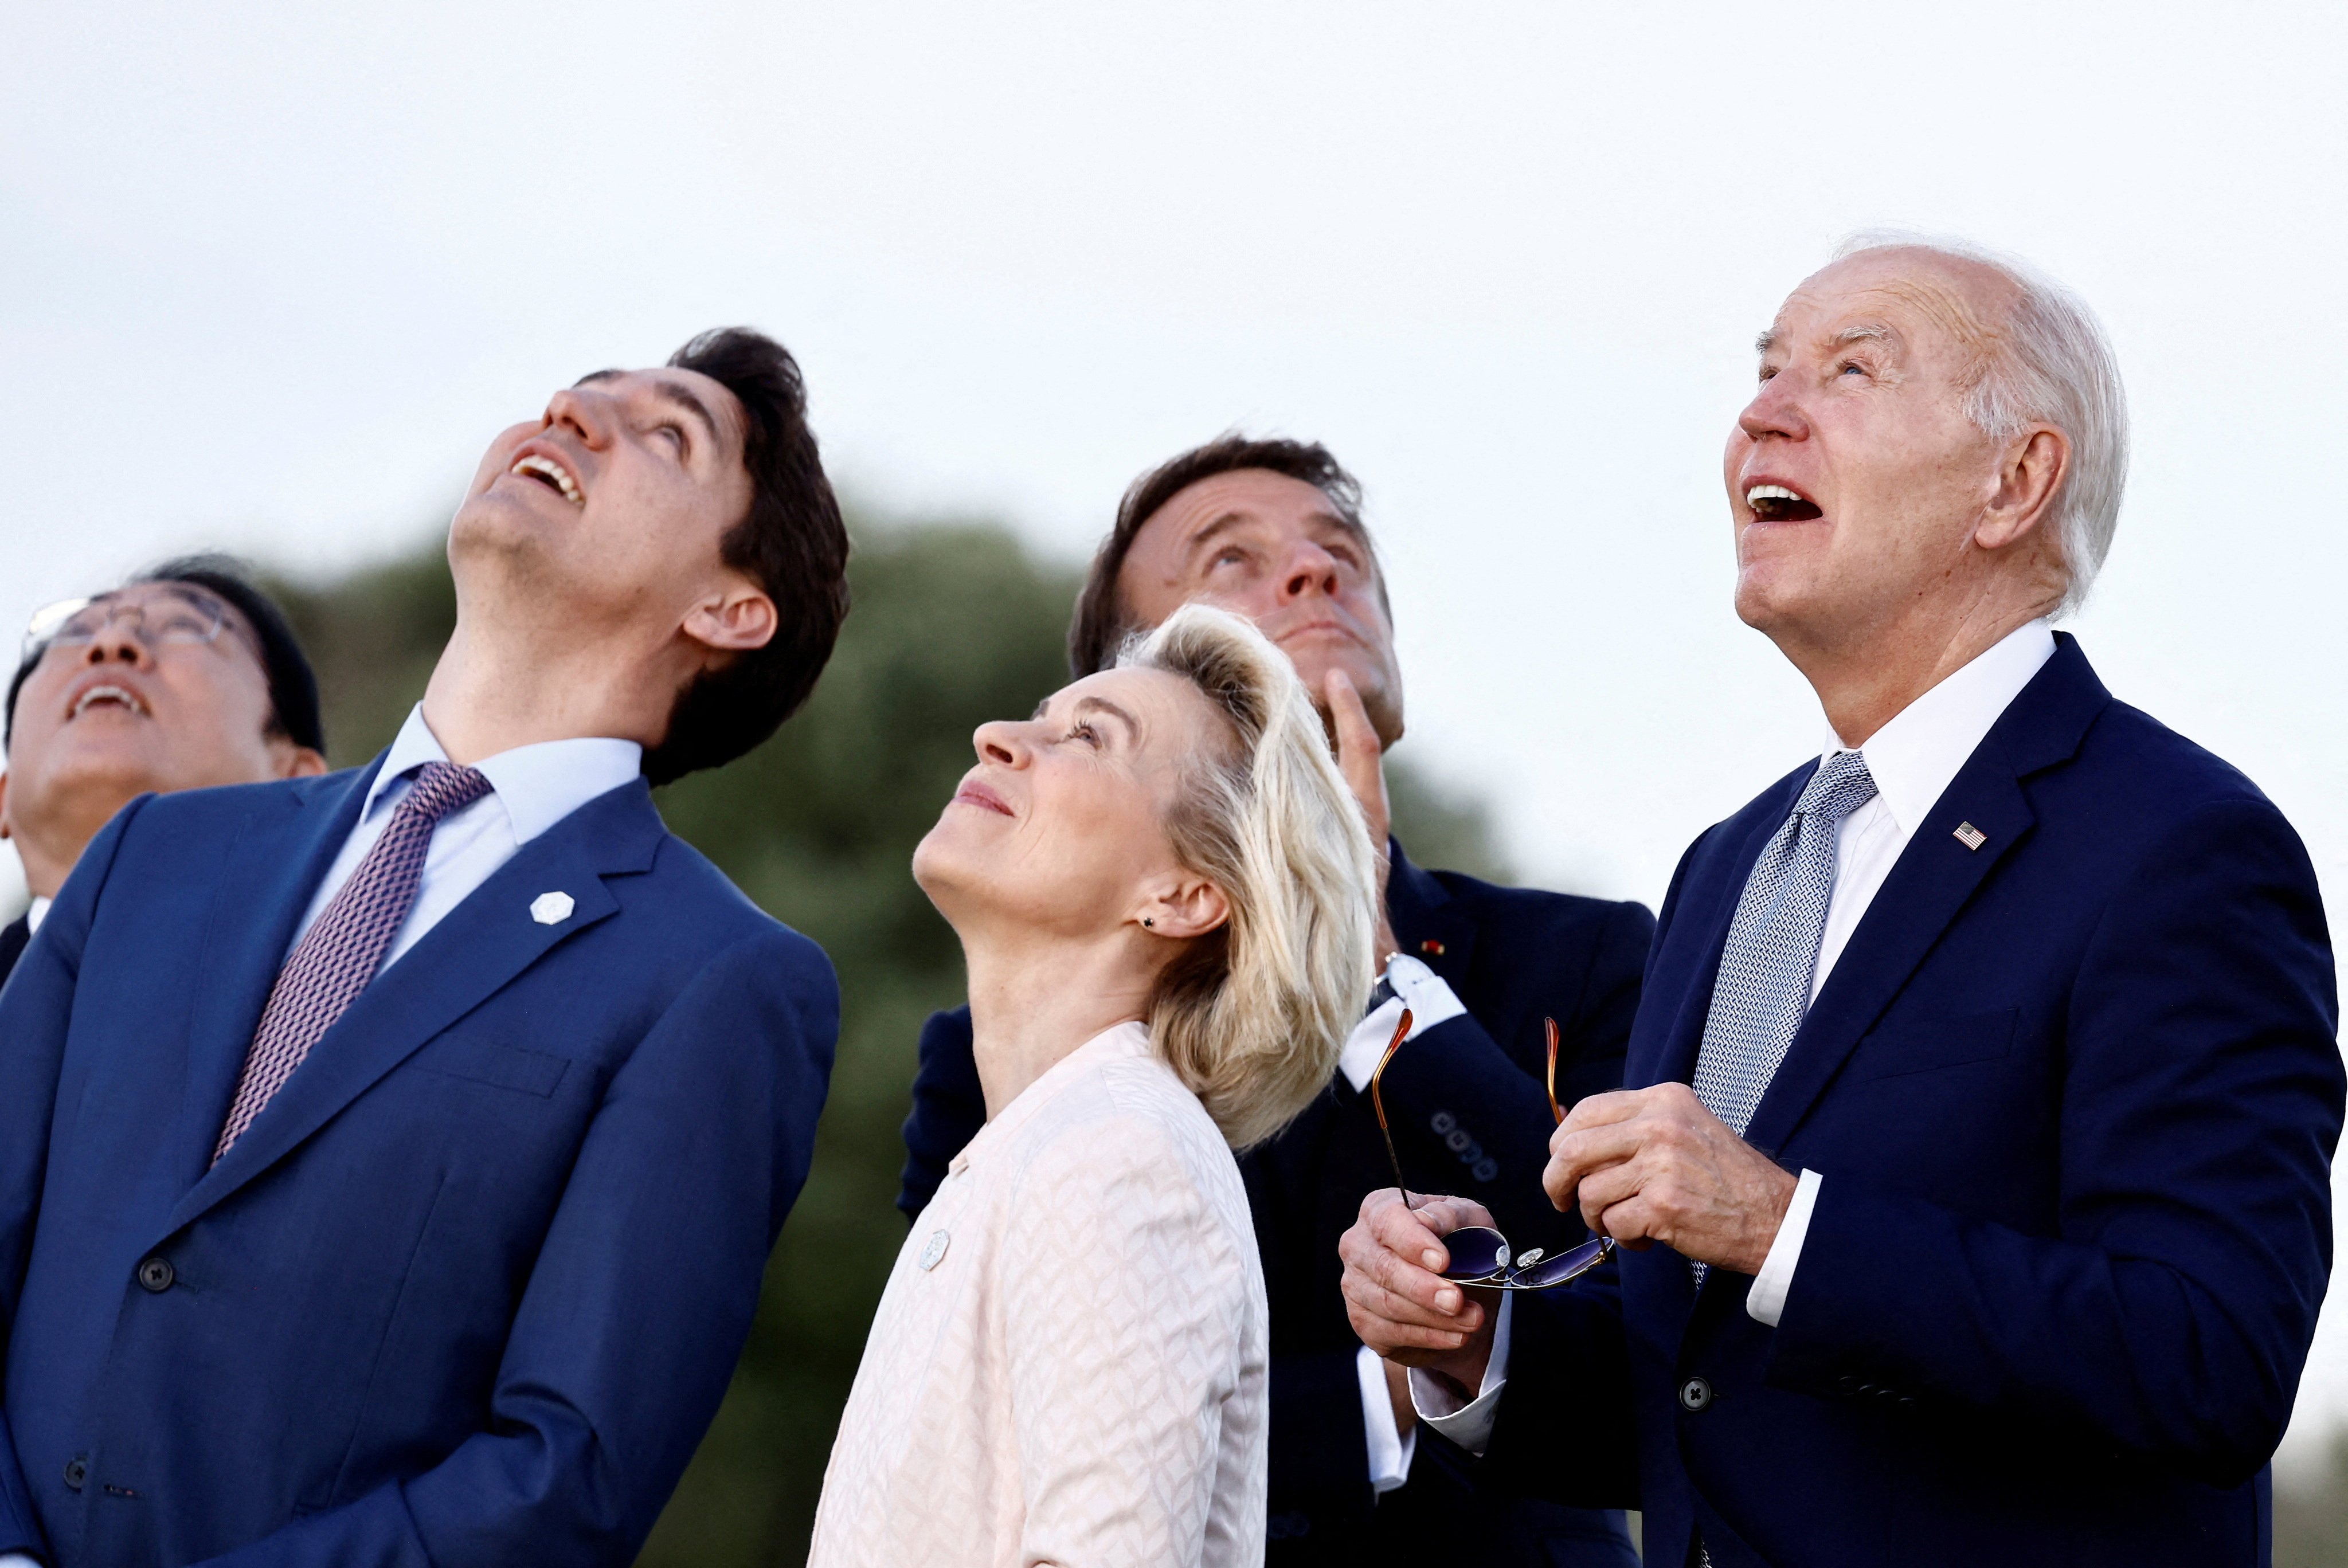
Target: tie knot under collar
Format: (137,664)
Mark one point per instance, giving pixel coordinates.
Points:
(1841,786)
(443,787)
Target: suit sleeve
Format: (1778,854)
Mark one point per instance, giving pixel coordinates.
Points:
(36,1006)
(949,1107)
(641,1297)
(1471,1120)
(2172,1314)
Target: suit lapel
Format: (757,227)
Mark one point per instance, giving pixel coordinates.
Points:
(1676,1061)
(1932,880)
(270,869)
(475,951)
(1427,923)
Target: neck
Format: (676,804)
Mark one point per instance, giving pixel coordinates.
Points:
(1867,677)
(1033,1002)
(490,694)
(48,843)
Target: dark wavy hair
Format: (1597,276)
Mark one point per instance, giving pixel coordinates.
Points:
(1101,624)
(791,543)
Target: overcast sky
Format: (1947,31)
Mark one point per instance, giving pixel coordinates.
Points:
(272,275)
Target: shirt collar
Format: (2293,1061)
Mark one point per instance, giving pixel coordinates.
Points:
(538,786)
(35,913)
(1914,758)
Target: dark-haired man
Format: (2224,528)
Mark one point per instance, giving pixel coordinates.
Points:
(186,676)
(388,1160)
(1273,530)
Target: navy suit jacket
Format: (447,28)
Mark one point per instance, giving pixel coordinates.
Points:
(2074,1096)
(1469,1115)
(470,1288)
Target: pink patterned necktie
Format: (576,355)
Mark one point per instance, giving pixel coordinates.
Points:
(345,946)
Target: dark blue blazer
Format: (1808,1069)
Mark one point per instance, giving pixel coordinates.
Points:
(1469,1115)
(470,1288)
(2073,1095)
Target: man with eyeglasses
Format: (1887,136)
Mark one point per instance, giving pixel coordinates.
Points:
(185,677)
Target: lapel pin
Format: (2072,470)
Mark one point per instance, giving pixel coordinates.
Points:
(1431,947)
(1969,835)
(551,908)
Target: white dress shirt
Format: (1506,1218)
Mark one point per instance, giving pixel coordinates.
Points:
(1913,759)
(531,788)
(1431,1001)
(35,913)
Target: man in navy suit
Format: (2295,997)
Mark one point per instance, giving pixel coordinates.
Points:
(1273,530)
(183,678)
(1974,1178)
(388,1160)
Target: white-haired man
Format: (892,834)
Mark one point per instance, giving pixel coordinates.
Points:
(1973,1172)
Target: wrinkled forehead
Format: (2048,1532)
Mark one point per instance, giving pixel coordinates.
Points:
(1922,299)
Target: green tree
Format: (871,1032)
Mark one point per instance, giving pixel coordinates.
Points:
(953,625)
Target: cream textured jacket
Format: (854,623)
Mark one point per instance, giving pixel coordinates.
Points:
(1068,1365)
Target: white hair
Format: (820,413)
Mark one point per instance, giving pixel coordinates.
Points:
(1252,1017)
(2050,365)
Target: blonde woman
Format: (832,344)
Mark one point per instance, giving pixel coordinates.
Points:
(1166,897)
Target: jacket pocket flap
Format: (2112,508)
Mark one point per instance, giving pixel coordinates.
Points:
(1923,1045)
(485,1061)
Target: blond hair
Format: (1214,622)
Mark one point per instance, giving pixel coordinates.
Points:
(1254,1015)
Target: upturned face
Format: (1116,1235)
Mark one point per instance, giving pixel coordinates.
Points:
(605,513)
(1060,828)
(1856,480)
(1271,549)
(158,687)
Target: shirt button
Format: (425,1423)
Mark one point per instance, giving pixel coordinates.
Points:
(156,1275)
(77,1472)
(1695,1394)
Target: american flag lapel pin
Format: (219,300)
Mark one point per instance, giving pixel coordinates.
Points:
(1969,835)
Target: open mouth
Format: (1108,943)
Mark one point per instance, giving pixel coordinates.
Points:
(107,696)
(551,473)
(1777,504)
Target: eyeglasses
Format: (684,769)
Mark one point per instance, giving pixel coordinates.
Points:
(1480,1255)
(168,620)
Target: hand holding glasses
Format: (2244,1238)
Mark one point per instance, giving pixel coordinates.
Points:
(1480,1255)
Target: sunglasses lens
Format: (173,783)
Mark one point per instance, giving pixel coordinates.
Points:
(1557,1270)
(1477,1252)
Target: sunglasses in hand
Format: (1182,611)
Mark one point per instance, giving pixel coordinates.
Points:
(1480,1254)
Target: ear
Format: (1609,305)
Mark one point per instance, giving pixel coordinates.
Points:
(7,829)
(1183,906)
(2026,484)
(734,619)
(293,761)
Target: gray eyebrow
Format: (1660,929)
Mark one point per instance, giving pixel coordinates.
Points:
(1132,725)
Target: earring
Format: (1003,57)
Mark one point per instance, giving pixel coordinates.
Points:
(1149,923)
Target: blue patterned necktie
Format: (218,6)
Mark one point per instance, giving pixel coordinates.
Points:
(1763,986)
(345,946)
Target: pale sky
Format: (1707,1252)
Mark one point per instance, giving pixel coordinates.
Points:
(272,275)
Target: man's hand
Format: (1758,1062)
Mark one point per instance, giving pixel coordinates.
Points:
(1362,759)
(1653,1165)
(1399,1305)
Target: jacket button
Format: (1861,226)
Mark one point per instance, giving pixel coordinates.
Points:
(76,1472)
(1695,1394)
(156,1275)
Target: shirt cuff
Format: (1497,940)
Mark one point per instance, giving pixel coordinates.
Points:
(18,1560)
(1390,1451)
(1766,1302)
(1430,1001)
(1469,1425)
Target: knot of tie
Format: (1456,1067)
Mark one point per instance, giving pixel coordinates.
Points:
(443,787)
(1841,786)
